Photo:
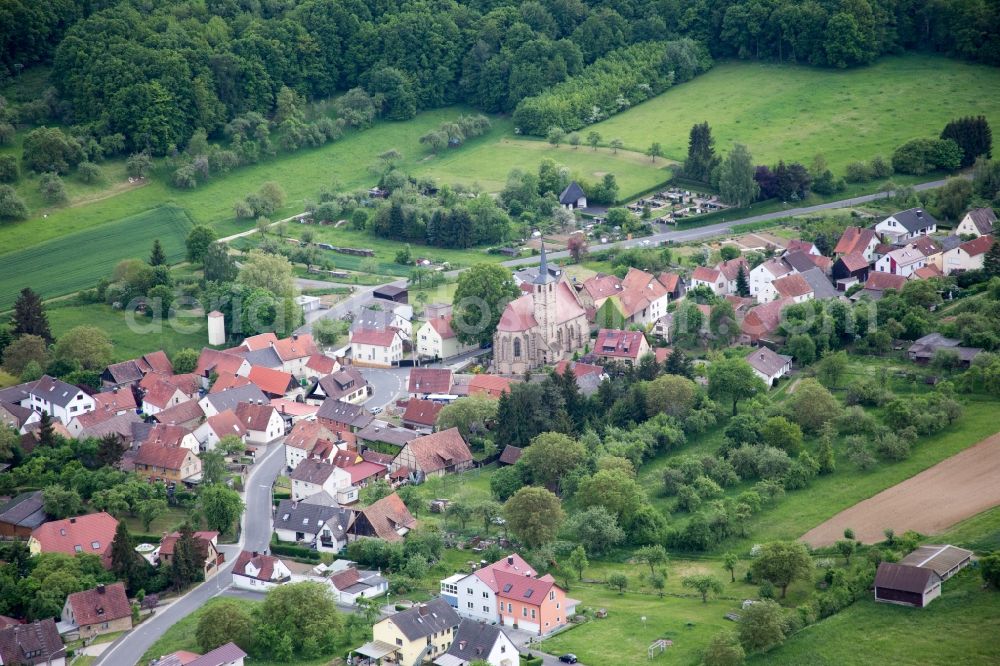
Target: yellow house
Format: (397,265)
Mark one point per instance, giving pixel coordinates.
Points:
(419,634)
(166,463)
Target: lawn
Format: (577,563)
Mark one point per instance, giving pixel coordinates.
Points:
(170,521)
(129,339)
(181,636)
(792,113)
(958,628)
(77,261)
(980,532)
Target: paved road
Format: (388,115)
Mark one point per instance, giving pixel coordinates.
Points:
(256,535)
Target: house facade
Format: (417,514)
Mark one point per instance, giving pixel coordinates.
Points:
(977,222)
(377,348)
(166,463)
(902,261)
(58,399)
(968,256)
(535,605)
(421,633)
(259,573)
(768,365)
(906,225)
(436,338)
(100,610)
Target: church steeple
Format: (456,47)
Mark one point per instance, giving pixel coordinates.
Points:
(543,269)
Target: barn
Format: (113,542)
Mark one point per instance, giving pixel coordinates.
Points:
(906,584)
(945,561)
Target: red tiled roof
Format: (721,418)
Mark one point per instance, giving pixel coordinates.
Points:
(490,385)
(528,590)
(705,274)
(978,246)
(212,360)
(63,536)
(227,380)
(440,450)
(167,543)
(854,261)
(155,362)
(618,344)
(158,393)
(115,401)
(519,315)
(669,280)
(296,346)
(254,417)
(163,434)
(322,364)
(854,239)
(878,281)
(163,457)
(263,563)
(511,454)
(226,423)
(386,515)
(305,434)
(823,263)
(364,470)
(271,381)
(602,286)
(926,245)
(104,603)
(662,354)
(443,325)
(791,286)
(800,245)
(512,565)
(731,268)
(221,656)
(344,579)
(927,272)
(185,412)
(579,369)
(422,412)
(375,337)
(430,380)
(765,318)
(257,342)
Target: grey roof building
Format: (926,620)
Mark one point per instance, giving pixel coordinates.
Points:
(380,431)
(22,514)
(354,416)
(266,357)
(476,641)
(309,518)
(821,286)
(425,619)
(231,398)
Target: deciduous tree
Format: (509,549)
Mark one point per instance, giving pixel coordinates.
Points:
(534,516)
(781,563)
(482,294)
(704,585)
(733,379)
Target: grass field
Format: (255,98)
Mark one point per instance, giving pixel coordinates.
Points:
(958,628)
(77,261)
(980,532)
(792,113)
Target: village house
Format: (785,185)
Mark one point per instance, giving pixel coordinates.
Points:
(769,365)
(380,436)
(313,476)
(793,287)
(121,426)
(901,261)
(227,380)
(857,240)
(115,401)
(878,282)
(425,382)
(923,350)
(320,365)
(588,377)
(218,426)
(474,595)
(293,352)
(849,269)
(100,610)
(213,403)
(58,399)
(436,338)
(477,642)
(171,436)
(168,464)
(799,245)
(490,386)
(376,348)
(33,644)
(346,385)
(762,321)
(208,543)
(214,362)
(387,519)
(763,276)
(17,417)
(906,225)
(303,440)
(187,414)
(22,514)
(540,327)
(711,278)
(376,317)
(417,634)
(535,605)
(977,222)
(622,346)
(91,533)
(573,197)
(229,654)
(421,415)
(730,270)
(258,572)
(351,584)
(342,416)
(129,373)
(262,422)
(433,455)
(159,394)
(275,383)
(313,525)
(968,256)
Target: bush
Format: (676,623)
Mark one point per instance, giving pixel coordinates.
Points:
(857,172)
(52,188)
(918,156)
(90,173)
(295,551)
(9,172)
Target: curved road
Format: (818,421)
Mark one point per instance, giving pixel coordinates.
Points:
(256,535)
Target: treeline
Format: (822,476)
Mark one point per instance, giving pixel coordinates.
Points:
(612,84)
(158,71)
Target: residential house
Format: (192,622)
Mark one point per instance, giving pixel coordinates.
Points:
(351,584)
(977,222)
(923,350)
(968,256)
(129,373)
(793,287)
(101,610)
(901,261)
(313,525)
(673,283)
(115,401)
(476,642)
(819,283)
(229,654)
(425,382)
(926,273)
(376,317)
(731,272)
(227,380)
(312,476)
(762,321)
(58,399)
(166,463)
(122,426)
(213,403)
(218,426)
(421,415)
(187,414)
(573,197)
(259,572)
(540,327)
(342,416)
(376,348)
(849,269)
(207,543)
(275,383)
(387,519)
(346,385)
(857,240)
(33,644)
(304,440)
(491,386)
(906,225)
(906,585)
(420,633)
(172,436)
(159,394)
(436,338)
(22,514)
(91,533)
(798,245)
(510,455)
(16,416)
(768,365)
(292,353)
(597,289)
(623,346)
(588,376)
(711,278)
(763,276)
(474,595)
(362,471)
(383,436)
(214,362)
(878,282)
(262,422)
(535,605)
(433,455)
(320,365)
(293,411)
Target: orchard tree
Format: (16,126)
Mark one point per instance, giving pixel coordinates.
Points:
(87,345)
(25,351)
(846,547)
(762,626)
(220,507)
(652,556)
(616,144)
(724,650)
(185,360)
(618,581)
(224,621)
(578,561)
(704,585)
(729,562)
(593,139)
(551,457)
(596,529)
(655,150)
(534,515)
(781,563)
(733,379)
(198,240)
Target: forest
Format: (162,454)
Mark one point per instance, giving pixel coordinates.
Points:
(155,71)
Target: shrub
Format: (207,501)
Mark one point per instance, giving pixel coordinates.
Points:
(857,172)
(918,156)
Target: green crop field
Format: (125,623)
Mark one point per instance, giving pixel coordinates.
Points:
(793,113)
(77,261)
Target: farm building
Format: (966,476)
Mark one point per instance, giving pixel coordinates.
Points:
(906,584)
(945,561)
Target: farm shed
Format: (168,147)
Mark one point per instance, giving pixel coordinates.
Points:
(906,584)
(945,561)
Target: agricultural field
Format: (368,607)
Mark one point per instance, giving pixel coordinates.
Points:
(77,261)
(793,113)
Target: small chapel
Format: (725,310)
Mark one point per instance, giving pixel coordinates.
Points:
(542,327)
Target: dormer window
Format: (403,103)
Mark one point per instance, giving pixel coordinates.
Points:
(96,545)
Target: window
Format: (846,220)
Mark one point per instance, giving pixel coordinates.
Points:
(78,548)
(486,609)
(532,613)
(517,347)
(524,611)
(471,605)
(96,545)
(552,594)
(468,590)
(399,641)
(486,595)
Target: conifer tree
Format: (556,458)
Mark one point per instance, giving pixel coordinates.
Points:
(29,316)
(186,565)
(742,284)
(157,256)
(127,565)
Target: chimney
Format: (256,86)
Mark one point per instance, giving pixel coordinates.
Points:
(510,559)
(100,588)
(72,521)
(422,609)
(295,336)
(254,554)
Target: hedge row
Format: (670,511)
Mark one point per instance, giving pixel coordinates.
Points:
(612,84)
(295,551)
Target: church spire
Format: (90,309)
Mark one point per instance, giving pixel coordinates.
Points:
(543,269)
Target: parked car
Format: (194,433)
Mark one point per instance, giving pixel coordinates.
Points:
(568,658)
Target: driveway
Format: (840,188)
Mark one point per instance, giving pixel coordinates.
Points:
(255,535)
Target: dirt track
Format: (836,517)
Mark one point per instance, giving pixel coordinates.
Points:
(930,502)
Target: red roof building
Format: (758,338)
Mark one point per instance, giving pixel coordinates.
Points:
(91,533)
(227,380)
(274,383)
(421,413)
(856,239)
(616,345)
(99,610)
(489,385)
(425,381)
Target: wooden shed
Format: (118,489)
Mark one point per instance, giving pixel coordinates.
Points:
(906,585)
